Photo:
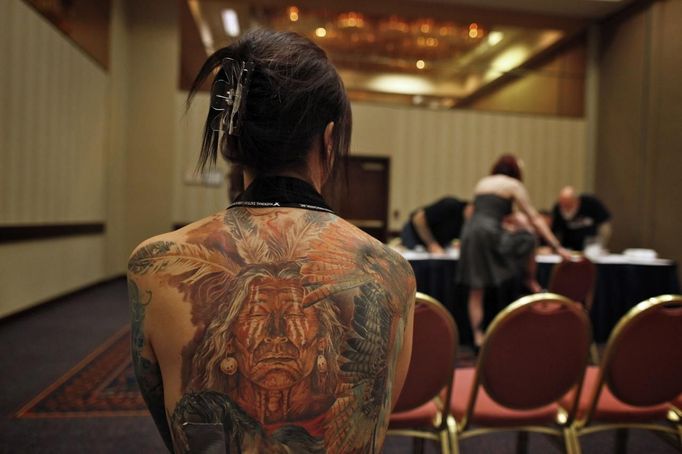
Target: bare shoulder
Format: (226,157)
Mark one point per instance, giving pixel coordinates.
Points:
(158,247)
(395,270)
(501,185)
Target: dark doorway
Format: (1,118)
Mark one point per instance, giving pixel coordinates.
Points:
(364,200)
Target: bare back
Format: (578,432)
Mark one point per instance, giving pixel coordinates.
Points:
(508,188)
(277,329)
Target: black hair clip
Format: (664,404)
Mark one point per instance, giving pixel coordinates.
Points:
(228,95)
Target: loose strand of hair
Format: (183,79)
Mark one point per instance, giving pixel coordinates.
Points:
(211,139)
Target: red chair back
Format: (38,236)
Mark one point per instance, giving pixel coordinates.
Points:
(643,360)
(535,351)
(574,279)
(434,351)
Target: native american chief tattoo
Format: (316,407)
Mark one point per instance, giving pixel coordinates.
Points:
(299,320)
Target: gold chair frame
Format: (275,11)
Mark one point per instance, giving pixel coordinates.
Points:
(564,418)
(440,430)
(585,426)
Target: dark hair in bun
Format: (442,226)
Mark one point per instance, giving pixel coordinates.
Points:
(293,93)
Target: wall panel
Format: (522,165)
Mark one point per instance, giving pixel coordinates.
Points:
(52,115)
(622,97)
(663,224)
(639,153)
(53,111)
(37,271)
(153,59)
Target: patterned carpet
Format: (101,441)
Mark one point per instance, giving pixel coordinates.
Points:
(101,385)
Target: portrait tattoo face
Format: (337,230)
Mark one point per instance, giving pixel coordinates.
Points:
(273,355)
(275,339)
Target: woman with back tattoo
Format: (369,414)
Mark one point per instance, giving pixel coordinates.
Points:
(275,325)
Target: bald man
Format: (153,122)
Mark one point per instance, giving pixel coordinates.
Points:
(579,219)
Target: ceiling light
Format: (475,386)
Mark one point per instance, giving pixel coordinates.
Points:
(230,22)
(400,83)
(293,13)
(351,20)
(425,27)
(509,59)
(395,24)
(473,30)
(495,37)
(420,64)
(320,32)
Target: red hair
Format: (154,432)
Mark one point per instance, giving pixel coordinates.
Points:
(507,164)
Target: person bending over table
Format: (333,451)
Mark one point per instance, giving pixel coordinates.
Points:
(578,219)
(492,251)
(436,225)
(273,325)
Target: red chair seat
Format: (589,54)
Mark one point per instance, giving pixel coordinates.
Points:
(487,412)
(422,416)
(610,408)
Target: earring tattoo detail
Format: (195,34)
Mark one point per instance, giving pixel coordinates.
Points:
(229,365)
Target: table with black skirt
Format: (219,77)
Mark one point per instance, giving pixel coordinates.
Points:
(621,283)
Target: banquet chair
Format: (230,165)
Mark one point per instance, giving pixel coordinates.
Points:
(534,353)
(638,384)
(575,279)
(419,411)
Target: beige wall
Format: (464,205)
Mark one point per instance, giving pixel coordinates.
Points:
(432,153)
(79,144)
(116,253)
(38,271)
(639,152)
(153,79)
(193,201)
(53,124)
(52,153)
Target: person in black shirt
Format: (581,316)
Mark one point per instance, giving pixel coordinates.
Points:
(435,226)
(579,218)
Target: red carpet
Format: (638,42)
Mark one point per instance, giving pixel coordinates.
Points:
(101,385)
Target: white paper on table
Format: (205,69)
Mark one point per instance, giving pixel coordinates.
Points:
(614,259)
(450,254)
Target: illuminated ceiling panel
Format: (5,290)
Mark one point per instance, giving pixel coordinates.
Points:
(423,55)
